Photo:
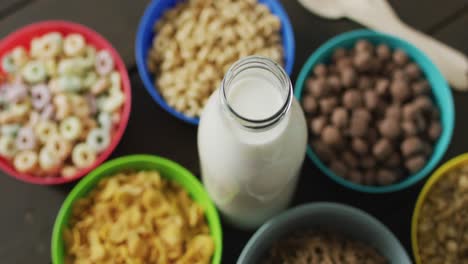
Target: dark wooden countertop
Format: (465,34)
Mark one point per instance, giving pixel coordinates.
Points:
(27,212)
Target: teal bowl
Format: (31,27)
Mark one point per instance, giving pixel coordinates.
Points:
(442,97)
(347,220)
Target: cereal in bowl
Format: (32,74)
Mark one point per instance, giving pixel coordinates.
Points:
(442,229)
(322,246)
(58,103)
(138,217)
(197,41)
(371,114)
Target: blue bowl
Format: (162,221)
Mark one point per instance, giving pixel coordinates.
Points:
(347,220)
(441,94)
(144,41)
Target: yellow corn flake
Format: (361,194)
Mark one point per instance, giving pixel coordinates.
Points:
(137,218)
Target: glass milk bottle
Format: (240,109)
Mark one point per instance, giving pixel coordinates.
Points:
(252,141)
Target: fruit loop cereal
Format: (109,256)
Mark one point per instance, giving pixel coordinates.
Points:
(138,217)
(197,41)
(59,105)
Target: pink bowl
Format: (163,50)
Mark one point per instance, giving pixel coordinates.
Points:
(23,37)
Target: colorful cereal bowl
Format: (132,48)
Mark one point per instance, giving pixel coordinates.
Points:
(440,90)
(144,41)
(168,169)
(23,38)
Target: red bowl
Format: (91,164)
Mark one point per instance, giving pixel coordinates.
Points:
(23,37)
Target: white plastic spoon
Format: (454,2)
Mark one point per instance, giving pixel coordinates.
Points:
(379,15)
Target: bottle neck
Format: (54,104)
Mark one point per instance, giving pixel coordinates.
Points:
(256,93)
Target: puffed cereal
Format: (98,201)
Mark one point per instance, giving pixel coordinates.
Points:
(197,41)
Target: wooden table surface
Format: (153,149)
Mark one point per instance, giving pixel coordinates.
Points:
(27,212)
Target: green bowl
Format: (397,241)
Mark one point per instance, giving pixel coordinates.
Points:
(167,168)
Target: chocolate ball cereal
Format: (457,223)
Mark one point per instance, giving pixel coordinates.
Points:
(339,117)
(373,120)
(317,124)
(352,99)
(309,104)
(331,136)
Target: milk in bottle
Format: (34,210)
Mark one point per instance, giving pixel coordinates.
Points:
(252,140)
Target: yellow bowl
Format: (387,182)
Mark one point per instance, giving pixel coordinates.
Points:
(441,171)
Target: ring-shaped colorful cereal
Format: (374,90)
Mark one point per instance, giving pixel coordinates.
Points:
(45,129)
(26,161)
(20,56)
(48,160)
(26,139)
(83,155)
(7,147)
(49,46)
(89,79)
(70,66)
(8,64)
(62,106)
(49,104)
(68,171)
(89,57)
(15,92)
(20,109)
(105,120)
(100,86)
(80,106)
(104,62)
(112,102)
(71,128)
(98,139)
(10,130)
(48,112)
(69,83)
(40,96)
(60,146)
(51,67)
(74,45)
(34,72)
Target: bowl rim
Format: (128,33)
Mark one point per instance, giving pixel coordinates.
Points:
(89,182)
(453,163)
(299,211)
(148,81)
(27,32)
(426,65)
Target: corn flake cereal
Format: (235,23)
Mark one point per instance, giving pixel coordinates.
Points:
(138,218)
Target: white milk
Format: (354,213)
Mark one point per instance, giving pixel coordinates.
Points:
(251,174)
(254,97)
